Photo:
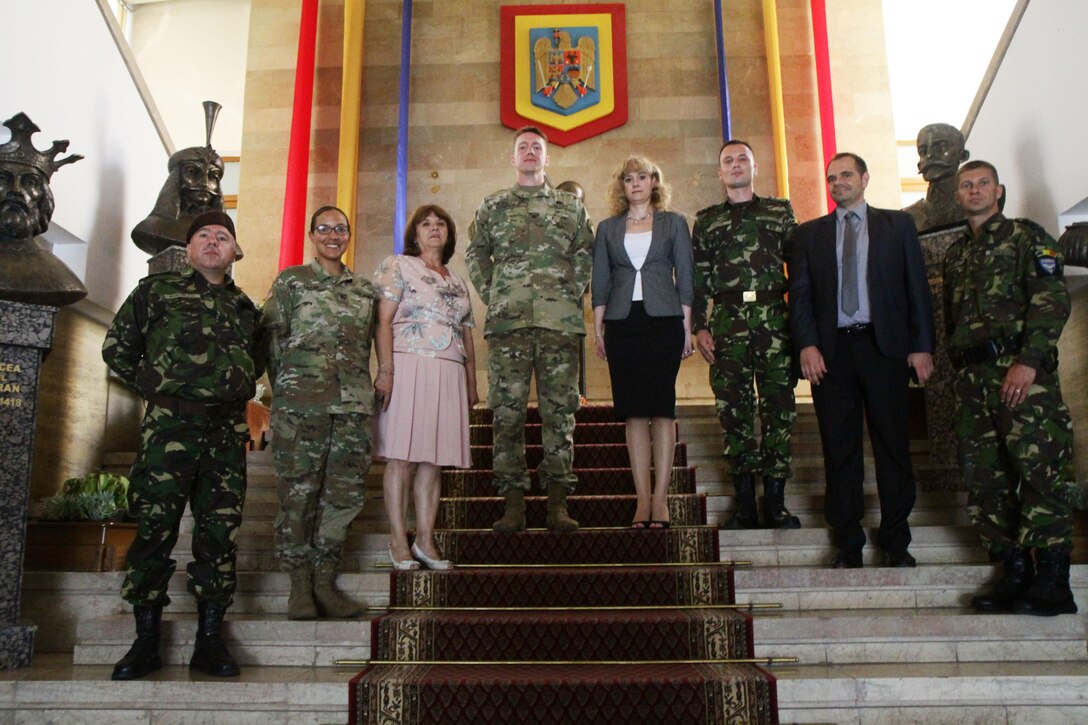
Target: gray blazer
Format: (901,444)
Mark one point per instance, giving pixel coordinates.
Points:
(666,273)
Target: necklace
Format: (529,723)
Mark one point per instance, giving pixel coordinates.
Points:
(637,219)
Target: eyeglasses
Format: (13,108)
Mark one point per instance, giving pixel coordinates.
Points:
(340,229)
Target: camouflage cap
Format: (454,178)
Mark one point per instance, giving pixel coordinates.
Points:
(215,217)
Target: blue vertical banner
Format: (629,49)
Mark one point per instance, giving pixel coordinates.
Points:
(723,80)
(401,207)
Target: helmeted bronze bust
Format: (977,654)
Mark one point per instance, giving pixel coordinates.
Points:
(940,153)
(28,271)
(192,187)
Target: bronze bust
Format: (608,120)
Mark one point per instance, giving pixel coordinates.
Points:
(28,271)
(192,187)
(940,153)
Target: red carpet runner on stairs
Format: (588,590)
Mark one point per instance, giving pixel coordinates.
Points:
(606,625)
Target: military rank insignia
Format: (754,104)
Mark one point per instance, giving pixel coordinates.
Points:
(564,68)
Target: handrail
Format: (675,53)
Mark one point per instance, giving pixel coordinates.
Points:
(137,78)
(995,65)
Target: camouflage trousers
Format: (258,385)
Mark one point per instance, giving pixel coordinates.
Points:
(752,355)
(1017,462)
(202,460)
(514,358)
(321,462)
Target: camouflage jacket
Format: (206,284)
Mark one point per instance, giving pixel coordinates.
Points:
(740,247)
(1006,283)
(530,259)
(319,330)
(178,335)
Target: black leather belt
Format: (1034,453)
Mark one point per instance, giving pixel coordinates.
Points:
(180,406)
(992,349)
(748,296)
(856,329)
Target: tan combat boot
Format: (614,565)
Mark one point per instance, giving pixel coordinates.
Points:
(514,517)
(330,602)
(558,520)
(300,604)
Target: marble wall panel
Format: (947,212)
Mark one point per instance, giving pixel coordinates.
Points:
(459,152)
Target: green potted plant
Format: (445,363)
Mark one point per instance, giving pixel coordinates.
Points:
(84,527)
(98,496)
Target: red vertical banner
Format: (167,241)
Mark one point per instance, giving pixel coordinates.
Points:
(823,85)
(298,155)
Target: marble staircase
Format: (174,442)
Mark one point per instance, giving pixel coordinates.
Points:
(876,645)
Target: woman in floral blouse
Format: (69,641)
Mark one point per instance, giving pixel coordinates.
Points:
(426,380)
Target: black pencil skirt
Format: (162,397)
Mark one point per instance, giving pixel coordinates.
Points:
(644,356)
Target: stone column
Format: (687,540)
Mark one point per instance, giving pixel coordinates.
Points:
(171,259)
(26,334)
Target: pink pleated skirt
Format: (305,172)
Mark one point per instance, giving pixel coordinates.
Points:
(427,420)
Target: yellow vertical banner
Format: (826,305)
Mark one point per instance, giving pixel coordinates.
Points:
(778,115)
(351,96)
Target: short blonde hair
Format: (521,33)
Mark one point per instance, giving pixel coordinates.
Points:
(659,199)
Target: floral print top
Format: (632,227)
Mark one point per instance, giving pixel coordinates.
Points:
(432,311)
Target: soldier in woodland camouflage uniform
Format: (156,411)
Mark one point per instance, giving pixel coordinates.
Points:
(188,344)
(741,248)
(320,321)
(1005,307)
(530,259)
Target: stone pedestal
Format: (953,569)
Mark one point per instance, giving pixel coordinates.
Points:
(26,334)
(944,474)
(171,259)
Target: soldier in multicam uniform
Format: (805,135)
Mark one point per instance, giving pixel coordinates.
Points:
(1005,307)
(188,343)
(741,248)
(320,323)
(530,260)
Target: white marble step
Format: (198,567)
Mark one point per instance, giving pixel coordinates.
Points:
(947,585)
(59,601)
(800,547)
(264,640)
(882,693)
(926,634)
(815,636)
(812,547)
(54,690)
(969,693)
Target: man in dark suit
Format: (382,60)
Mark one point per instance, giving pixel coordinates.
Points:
(861,317)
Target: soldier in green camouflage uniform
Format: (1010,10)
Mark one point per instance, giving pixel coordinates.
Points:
(741,247)
(1005,307)
(530,259)
(320,323)
(188,343)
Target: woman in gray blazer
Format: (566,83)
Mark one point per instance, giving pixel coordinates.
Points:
(642,295)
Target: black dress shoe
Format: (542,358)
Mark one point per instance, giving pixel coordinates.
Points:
(847,559)
(899,560)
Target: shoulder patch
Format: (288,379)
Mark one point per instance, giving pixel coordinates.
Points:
(1047,262)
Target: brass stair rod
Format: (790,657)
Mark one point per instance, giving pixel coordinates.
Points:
(740,661)
(589,608)
(603,565)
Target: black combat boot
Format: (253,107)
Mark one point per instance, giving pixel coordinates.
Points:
(143,657)
(775,513)
(744,515)
(1049,595)
(210,654)
(1018,575)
